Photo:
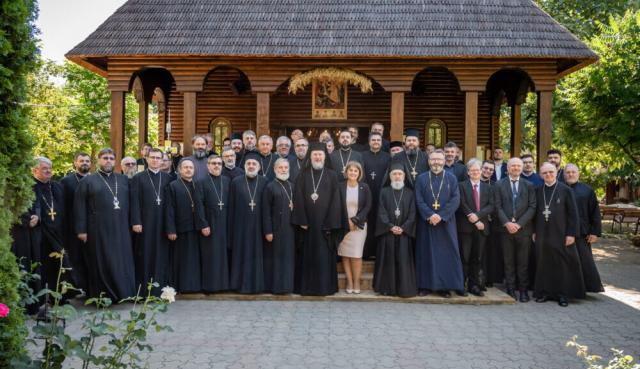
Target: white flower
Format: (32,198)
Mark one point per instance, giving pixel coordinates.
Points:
(168,294)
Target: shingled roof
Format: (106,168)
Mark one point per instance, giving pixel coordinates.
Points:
(406,28)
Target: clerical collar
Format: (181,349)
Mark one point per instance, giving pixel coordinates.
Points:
(78,174)
(264,155)
(375,152)
(230,168)
(527,175)
(154,171)
(437,174)
(105,173)
(347,149)
(551,185)
(188,180)
(42,182)
(215,176)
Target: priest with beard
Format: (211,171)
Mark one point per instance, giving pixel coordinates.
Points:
(245,222)
(214,248)
(279,249)
(297,162)
(150,246)
(452,164)
(345,154)
(395,273)
(101,211)
(375,167)
(590,226)
(183,213)
(73,246)
(199,157)
(414,160)
(249,142)
(558,274)
(229,169)
(316,210)
(438,264)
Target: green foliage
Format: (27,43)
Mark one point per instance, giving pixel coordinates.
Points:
(17,52)
(618,361)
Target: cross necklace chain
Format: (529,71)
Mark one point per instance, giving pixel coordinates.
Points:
(158,200)
(546,211)
(252,203)
(52,213)
(193,204)
(218,195)
(344,164)
(289,194)
(413,167)
(265,169)
(397,202)
(314,195)
(116,202)
(436,204)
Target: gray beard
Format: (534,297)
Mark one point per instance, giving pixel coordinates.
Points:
(317,166)
(301,155)
(252,174)
(397,185)
(230,166)
(282,177)
(199,154)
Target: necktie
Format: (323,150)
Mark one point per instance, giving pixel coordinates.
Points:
(514,190)
(476,196)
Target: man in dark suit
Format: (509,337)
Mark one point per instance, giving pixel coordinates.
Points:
(515,200)
(500,170)
(476,204)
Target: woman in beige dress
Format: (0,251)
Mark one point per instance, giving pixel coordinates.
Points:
(355,198)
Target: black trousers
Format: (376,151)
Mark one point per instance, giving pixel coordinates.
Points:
(472,255)
(515,249)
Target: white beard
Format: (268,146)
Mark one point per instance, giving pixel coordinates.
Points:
(282,177)
(317,166)
(252,174)
(397,185)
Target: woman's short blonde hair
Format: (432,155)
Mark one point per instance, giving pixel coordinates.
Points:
(356,165)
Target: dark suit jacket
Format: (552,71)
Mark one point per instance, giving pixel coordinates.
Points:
(525,204)
(468,206)
(364,205)
(503,172)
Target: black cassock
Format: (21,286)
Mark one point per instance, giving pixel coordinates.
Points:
(279,255)
(295,167)
(375,168)
(317,274)
(151,247)
(183,214)
(558,272)
(232,173)
(267,163)
(590,224)
(417,163)
(245,224)
(73,246)
(340,158)
(395,272)
(213,249)
(108,249)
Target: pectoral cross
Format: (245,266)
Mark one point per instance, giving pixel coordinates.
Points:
(252,204)
(221,204)
(291,205)
(52,213)
(414,174)
(158,200)
(373,175)
(436,205)
(546,213)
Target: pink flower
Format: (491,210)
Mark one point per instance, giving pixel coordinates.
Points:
(4,310)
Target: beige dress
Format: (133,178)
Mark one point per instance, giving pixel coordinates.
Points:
(353,243)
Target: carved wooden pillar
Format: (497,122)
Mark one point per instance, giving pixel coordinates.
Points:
(397,116)
(117,124)
(470,124)
(516,130)
(189,120)
(262,113)
(545,103)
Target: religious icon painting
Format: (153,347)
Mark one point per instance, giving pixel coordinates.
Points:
(329,99)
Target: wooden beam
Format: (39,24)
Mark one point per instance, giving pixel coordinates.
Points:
(470,124)
(189,129)
(117,124)
(545,103)
(397,116)
(516,130)
(262,113)
(143,123)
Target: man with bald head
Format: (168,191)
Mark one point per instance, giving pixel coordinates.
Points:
(516,206)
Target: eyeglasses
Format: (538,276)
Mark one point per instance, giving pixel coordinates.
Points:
(155,158)
(130,164)
(215,163)
(108,158)
(545,173)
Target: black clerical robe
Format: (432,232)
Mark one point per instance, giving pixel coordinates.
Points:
(213,248)
(317,274)
(72,245)
(102,212)
(340,158)
(395,272)
(375,168)
(200,165)
(558,271)
(151,247)
(414,165)
(267,164)
(458,169)
(183,214)
(279,255)
(245,217)
(590,224)
(295,167)
(232,173)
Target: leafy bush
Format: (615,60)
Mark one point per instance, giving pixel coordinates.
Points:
(618,361)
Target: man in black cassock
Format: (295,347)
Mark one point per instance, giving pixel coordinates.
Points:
(344,154)
(395,272)
(101,211)
(376,163)
(378,128)
(413,159)
(249,142)
(395,147)
(279,248)
(451,163)
(266,158)
(559,274)
(245,217)
(554,156)
(229,169)
(142,161)
(355,145)
(199,156)
(150,246)
(297,163)
(183,221)
(214,248)
(590,226)
(316,210)
(72,245)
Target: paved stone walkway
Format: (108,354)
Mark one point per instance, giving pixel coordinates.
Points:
(317,334)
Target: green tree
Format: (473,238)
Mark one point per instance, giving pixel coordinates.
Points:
(17,55)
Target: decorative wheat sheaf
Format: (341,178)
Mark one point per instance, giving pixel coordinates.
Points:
(302,80)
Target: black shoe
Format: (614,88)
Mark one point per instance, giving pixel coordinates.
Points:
(524,296)
(423,293)
(462,293)
(543,298)
(475,290)
(488,285)
(562,301)
(511,292)
(445,294)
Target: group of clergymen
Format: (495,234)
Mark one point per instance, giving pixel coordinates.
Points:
(273,222)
